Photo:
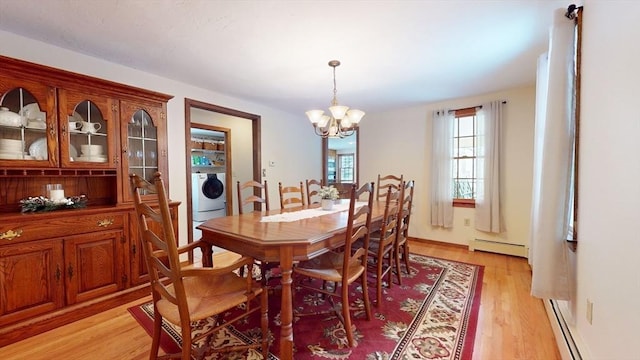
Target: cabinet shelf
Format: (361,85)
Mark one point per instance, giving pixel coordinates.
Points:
(209,166)
(207,151)
(141,138)
(86,133)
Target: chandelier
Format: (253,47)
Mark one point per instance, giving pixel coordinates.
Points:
(343,121)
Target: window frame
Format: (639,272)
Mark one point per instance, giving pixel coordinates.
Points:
(340,168)
(459,113)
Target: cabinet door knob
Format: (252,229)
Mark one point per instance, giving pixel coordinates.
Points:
(105,222)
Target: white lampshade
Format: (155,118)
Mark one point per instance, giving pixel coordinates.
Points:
(355,115)
(338,111)
(314,115)
(324,120)
(346,122)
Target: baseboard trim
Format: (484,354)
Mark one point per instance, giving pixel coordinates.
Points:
(437,242)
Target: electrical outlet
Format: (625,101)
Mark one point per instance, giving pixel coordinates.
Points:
(589,311)
(467,222)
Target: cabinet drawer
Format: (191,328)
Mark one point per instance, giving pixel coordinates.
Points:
(36,229)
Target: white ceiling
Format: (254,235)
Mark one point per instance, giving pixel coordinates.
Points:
(393,53)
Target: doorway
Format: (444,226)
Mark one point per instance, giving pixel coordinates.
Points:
(241,138)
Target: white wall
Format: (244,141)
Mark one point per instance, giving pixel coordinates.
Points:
(296,157)
(608,271)
(386,151)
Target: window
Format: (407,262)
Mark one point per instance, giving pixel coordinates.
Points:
(345,163)
(465,138)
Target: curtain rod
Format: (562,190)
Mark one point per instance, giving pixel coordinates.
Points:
(477,107)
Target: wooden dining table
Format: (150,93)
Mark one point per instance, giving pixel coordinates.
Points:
(284,243)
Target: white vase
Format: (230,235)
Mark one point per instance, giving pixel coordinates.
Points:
(327,204)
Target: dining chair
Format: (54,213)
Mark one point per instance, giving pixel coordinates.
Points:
(344,267)
(259,195)
(381,248)
(313,186)
(401,245)
(256,200)
(183,294)
(385,181)
(291,196)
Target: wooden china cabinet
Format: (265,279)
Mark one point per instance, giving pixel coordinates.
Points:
(88,135)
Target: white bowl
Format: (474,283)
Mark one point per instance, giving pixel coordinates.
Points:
(87,150)
(32,112)
(9,118)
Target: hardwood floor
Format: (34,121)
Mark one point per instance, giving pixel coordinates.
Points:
(511,324)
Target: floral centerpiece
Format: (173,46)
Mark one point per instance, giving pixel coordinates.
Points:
(328,194)
(41,203)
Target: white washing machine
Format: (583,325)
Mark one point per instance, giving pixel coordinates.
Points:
(209,196)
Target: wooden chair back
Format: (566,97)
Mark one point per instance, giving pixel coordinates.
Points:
(382,242)
(386,181)
(402,233)
(406,201)
(158,242)
(389,224)
(259,195)
(291,196)
(313,186)
(357,215)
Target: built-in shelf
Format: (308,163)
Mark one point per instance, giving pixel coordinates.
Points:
(206,151)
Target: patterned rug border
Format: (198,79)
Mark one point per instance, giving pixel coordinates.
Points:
(171,341)
(467,331)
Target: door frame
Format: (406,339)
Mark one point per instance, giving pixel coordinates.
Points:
(256,144)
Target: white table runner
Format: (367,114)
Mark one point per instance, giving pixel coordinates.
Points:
(308,213)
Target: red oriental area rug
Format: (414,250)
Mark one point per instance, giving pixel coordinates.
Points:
(433,315)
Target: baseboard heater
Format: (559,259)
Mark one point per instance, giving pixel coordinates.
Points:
(566,344)
(498,247)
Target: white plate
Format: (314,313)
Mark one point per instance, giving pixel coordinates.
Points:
(91,159)
(38,149)
(14,156)
(37,126)
(32,112)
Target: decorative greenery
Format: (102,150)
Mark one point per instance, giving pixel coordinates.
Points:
(328,192)
(41,203)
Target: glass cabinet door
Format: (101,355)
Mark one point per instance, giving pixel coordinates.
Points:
(87,131)
(142,138)
(144,153)
(27,126)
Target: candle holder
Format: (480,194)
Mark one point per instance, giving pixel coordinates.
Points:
(54,192)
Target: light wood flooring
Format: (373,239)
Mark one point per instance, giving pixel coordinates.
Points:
(511,324)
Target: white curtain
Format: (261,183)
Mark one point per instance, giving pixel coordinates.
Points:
(553,163)
(488,216)
(441,176)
